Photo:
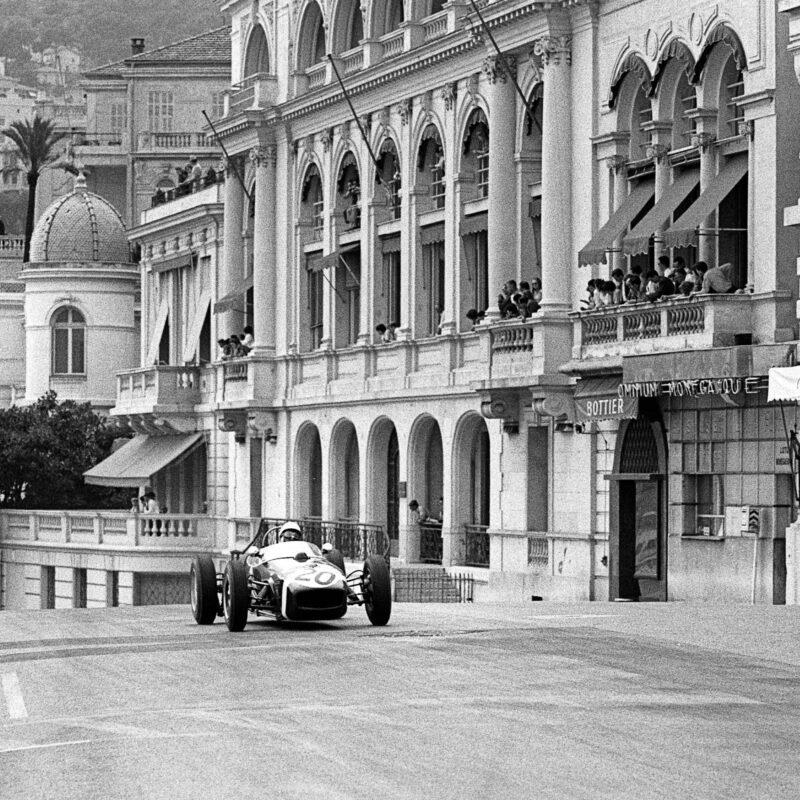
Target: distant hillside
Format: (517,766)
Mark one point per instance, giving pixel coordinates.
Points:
(100,29)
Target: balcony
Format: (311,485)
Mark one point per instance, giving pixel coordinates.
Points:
(172,141)
(160,389)
(254,93)
(109,529)
(681,323)
(96,141)
(11,246)
(172,201)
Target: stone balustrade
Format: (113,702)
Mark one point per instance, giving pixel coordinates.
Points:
(141,389)
(254,92)
(111,529)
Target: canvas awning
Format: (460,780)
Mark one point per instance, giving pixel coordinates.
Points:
(684,231)
(784,384)
(595,251)
(599,399)
(176,262)
(431,234)
(137,461)
(638,240)
(474,224)
(235,299)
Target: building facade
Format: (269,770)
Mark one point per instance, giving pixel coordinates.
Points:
(625,451)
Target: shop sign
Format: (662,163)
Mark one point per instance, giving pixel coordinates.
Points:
(609,406)
(696,387)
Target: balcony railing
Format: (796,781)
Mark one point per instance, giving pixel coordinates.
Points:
(317,75)
(107,528)
(97,139)
(435,27)
(699,320)
(158,386)
(430,542)
(352,61)
(254,92)
(393,44)
(174,140)
(476,545)
(12,245)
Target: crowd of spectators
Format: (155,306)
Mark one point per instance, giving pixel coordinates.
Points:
(236,346)
(665,280)
(191,178)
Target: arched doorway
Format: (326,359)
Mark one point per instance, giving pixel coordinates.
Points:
(256,59)
(426,486)
(471,498)
(308,473)
(345,472)
(638,546)
(383,481)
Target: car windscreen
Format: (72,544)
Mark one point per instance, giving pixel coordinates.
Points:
(289,550)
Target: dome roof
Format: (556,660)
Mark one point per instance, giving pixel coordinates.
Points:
(81,227)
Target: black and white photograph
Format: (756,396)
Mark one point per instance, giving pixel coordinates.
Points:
(400,399)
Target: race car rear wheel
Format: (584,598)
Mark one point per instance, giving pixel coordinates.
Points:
(203,576)
(235,595)
(336,558)
(377,590)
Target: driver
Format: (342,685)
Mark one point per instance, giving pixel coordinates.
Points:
(290,532)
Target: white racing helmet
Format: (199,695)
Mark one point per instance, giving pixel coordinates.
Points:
(290,532)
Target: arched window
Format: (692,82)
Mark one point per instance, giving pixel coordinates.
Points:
(69,342)
(313,199)
(311,45)
(356,27)
(319,40)
(476,150)
(256,58)
(392,16)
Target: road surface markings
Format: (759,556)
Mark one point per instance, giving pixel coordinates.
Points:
(13,695)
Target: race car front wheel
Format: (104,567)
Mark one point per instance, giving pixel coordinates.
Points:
(377,590)
(235,595)
(203,576)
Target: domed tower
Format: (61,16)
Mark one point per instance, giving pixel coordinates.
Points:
(80,287)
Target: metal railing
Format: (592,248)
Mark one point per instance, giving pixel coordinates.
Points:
(433,586)
(476,545)
(430,542)
(355,540)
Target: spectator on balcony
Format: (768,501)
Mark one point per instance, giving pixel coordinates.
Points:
(505,300)
(151,504)
(210,178)
(662,265)
(352,214)
(238,349)
(603,293)
(664,288)
(678,278)
(418,512)
(439,319)
(587,303)
(651,282)
(692,280)
(475,316)
(618,279)
(247,337)
(135,505)
(719,280)
(226,348)
(633,288)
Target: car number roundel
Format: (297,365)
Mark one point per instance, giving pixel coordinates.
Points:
(321,577)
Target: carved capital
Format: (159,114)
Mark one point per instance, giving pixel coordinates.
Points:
(264,156)
(702,141)
(403,109)
(656,152)
(617,163)
(554,50)
(499,69)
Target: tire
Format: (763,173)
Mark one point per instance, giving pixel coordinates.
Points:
(235,595)
(205,602)
(377,589)
(336,558)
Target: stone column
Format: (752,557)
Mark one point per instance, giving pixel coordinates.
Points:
(704,141)
(658,151)
(502,220)
(231,273)
(264,288)
(618,169)
(557,256)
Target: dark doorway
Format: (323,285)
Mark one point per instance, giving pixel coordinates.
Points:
(393,491)
(638,512)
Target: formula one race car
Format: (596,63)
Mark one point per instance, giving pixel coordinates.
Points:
(289,579)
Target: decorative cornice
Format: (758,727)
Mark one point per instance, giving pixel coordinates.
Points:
(617,163)
(657,152)
(702,141)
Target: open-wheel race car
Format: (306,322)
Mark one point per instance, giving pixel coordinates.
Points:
(280,575)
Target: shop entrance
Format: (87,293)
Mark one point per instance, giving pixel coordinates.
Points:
(638,544)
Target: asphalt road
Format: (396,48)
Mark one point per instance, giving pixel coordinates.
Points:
(539,701)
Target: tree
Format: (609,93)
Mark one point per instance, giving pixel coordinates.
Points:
(36,141)
(44,450)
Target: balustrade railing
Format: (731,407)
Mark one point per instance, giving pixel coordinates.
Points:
(98,528)
(99,139)
(162,385)
(355,540)
(392,44)
(430,542)
(436,27)
(235,371)
(353,61)
(12,243)
(677,316)
(538,552)
(517,338)
(476,545)
(317,75)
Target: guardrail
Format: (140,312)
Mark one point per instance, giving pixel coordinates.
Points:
(476,545)
(430,542)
